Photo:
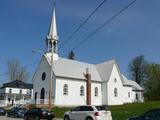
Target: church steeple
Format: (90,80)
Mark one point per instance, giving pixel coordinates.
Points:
(52,37)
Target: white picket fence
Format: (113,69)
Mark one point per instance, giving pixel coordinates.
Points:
(4,103)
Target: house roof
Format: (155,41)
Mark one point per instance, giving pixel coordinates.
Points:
(132,83)
(105,69)
(74,69)
(18,84)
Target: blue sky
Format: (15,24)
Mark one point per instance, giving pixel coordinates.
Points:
(24,25)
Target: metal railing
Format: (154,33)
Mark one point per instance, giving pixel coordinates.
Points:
(43,101)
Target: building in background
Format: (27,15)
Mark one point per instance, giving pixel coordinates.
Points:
(15,92)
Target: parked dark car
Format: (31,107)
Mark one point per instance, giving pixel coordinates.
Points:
(153,114)
(38,113)
(2,111)
(16,112)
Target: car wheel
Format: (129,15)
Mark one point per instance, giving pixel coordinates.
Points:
(37,118)
(49,118)
(25,117)
(66,118)
(8,115)
(15,116)
(89,118)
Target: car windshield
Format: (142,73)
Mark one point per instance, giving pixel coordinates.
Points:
(44,110)
(101,108)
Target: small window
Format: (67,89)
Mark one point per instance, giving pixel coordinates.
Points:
(115,80)
(65,89)
(82,91)
(96,91)
(43,76)
(10,90)
(115,92)
(20,91)
(137,96)
(28,92)
(129,94)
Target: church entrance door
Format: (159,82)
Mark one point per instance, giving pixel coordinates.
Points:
(42,95)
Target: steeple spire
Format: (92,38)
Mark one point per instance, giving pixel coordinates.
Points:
(52,37)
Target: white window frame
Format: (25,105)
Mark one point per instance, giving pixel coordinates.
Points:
(96,91)
(10,90)
(115,92)
(82,90)
(129,94)
(65,89)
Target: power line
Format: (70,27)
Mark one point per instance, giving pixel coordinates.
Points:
(103,25)
(91,34)
(82,24)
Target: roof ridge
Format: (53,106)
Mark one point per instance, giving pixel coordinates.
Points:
(105,62)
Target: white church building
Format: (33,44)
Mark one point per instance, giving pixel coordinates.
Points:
(65,82)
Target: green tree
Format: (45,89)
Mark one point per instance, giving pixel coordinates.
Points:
(15,71)
(137,69)
(152,85)
(71,55)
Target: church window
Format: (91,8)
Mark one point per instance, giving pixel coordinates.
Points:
(10,90)
(96,91)
(82,91)
(43,76)
(129,94)
(137,96)
(115,92)
(65,89)
(115,80)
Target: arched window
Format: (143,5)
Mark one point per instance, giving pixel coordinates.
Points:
(137,97)
(82,91)
(42,93)
(43,76)
(115,80)
(35,97)
(65,89)
(129,94)
(115,92)
(96,91)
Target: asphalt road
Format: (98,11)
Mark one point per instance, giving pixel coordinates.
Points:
(8,118)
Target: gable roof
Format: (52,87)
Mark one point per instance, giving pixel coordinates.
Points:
(73,69)
(18,84)
(105,69)
(100,72)
(132,83)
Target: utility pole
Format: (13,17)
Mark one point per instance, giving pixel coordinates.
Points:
(50,89)
(88,86)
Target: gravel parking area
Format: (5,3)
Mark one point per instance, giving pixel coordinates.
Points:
(8,118)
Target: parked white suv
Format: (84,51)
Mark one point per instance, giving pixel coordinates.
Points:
(88,112)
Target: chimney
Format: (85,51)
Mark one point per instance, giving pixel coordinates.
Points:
(88,86)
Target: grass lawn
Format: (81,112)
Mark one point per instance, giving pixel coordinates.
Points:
(121,112)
